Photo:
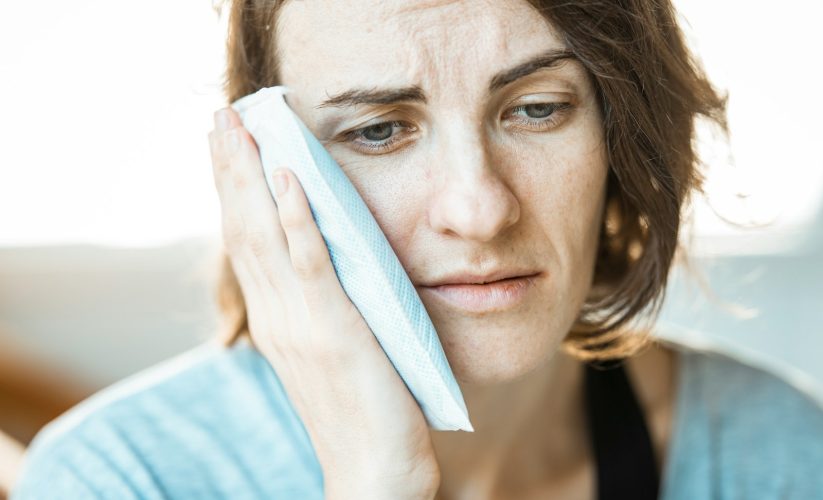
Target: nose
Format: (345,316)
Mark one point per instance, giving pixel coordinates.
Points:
(470,197)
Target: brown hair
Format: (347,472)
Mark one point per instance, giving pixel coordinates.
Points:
(650,90)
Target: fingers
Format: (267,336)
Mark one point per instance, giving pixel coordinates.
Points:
(307,249)
(277,249)
(250,220)
(221,144)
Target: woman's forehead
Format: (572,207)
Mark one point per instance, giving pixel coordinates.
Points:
(328,46)
(385,25)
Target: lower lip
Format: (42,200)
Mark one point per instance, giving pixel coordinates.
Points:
(490,297)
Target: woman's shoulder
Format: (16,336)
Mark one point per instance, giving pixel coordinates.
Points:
(745,426)
(735,384)
(210,421)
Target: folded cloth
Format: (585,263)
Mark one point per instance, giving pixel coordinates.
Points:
(367,267)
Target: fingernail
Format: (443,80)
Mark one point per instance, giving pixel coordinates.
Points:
(281,183)
(221,119)
(232,141)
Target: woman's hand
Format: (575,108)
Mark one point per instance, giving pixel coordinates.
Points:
(369,434)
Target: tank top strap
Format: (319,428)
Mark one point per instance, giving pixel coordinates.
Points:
(619,437)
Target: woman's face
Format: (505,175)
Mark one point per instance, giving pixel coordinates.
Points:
(471,168)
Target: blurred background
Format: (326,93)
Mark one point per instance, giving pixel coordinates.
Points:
(109,222)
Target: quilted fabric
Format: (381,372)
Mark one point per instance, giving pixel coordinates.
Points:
(367,267)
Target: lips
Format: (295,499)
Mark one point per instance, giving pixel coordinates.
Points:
(495,296)
(470,278)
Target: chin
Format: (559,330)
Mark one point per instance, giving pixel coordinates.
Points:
(496,354)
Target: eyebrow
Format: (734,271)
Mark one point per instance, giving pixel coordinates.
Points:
(546,60)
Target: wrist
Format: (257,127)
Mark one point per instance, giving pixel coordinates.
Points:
(380,479)
(366,493)
(407,489)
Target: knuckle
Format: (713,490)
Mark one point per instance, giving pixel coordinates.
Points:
(220,164)
(258,241)
(315,295)
(219,161)
(270,273)
(222,167)
(239,180)
(233,231)
(306,266)
(289,219)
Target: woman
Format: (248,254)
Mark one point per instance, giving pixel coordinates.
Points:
(547,144)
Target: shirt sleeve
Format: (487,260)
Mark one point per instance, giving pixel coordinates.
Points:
(211,426)
(76,469)
(76,465)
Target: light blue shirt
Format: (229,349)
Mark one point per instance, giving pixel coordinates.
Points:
(216,423)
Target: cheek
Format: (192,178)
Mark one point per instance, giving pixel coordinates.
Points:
(562,188)
(563,171)
(395,198)
(563,185)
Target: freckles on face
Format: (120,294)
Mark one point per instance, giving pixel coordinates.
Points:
(450,48)
(466,175)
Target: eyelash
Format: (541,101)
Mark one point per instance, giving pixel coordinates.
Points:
(380,147)
(559,109)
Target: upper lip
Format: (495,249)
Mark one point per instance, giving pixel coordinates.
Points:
(469,277)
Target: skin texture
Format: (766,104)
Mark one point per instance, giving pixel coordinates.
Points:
(471,184)
(469,188)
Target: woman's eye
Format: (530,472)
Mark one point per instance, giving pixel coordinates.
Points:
(542,115)
(538,110)
(382,136)
(378,137)
(379,132)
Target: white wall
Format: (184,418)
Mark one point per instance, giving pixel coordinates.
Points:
(106,107)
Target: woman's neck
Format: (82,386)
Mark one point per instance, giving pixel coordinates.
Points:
(525,430)
(531,433)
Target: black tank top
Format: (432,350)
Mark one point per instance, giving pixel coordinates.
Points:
(620,441)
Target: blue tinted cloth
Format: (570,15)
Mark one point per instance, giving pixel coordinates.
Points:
(215,423)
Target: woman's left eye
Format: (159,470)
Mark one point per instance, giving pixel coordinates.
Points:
(542,115)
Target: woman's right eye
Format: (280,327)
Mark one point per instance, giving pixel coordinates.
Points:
(377,138)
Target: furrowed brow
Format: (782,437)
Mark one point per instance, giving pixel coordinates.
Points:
(549,59)
(414,93)
(375,96)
